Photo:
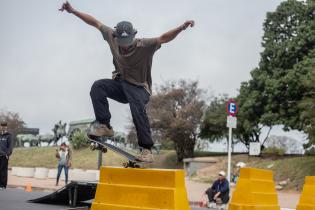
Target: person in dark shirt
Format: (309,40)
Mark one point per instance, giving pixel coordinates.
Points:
(6,147)
(132,82)
(219,191)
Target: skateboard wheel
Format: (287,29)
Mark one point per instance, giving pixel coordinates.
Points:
(104,150)
(92,147)
(125,165)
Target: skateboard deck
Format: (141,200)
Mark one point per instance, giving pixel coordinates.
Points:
(133,161)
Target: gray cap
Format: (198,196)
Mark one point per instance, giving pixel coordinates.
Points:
(124,33)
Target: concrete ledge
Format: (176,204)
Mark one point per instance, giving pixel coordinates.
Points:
(192,165)
(52,173)
(25,172)
(14,170)
(83,176)
(41,173)
(96,172)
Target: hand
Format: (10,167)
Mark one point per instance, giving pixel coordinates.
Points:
(7,157)
(190,23)
(66,6)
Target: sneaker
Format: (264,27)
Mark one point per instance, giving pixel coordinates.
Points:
(99,130)
(146,156)
(211,205)
(219,201)
(222,207)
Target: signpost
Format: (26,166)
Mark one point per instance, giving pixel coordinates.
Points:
(231,109)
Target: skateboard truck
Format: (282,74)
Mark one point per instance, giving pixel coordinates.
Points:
(96,146)
(131,164)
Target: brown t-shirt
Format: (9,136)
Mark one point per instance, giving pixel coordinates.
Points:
(134,67)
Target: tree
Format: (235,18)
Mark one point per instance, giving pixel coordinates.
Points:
(308,107)
(175,112)
(289,37)
(132,138)
(15,123)
(79,140)
(251,108)
(119,138)
(273,94)
(213,125)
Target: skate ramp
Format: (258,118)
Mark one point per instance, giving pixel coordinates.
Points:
(72,194)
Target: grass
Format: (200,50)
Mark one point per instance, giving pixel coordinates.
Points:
(45,157)
(294,168)
(289,168)
(82,158)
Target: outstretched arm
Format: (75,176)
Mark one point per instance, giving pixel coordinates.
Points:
(170,35)
(85,17)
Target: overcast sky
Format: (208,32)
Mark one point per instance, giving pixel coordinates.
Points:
(49,59)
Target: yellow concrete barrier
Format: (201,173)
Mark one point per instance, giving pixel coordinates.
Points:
(140,189)
(307,200)
(255,190)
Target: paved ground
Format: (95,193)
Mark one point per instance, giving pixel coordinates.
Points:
(16,199)
(194,189)
(286,199)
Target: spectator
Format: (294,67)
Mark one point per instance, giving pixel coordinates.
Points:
(219,192)
(6,147)
(64,157)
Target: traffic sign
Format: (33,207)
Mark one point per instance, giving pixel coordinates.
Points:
(231,107)
(231,122)
(254,148)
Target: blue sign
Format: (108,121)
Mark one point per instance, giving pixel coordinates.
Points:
(231,107)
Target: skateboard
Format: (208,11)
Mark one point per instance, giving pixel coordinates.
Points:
(97,143)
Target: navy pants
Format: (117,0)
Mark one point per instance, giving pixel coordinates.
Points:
(123,92)
(66,169)
(225,197)
(3,171)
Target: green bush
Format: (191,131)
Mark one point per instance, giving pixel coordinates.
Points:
(310,152)
(167,145)
(79,140)
(273,151)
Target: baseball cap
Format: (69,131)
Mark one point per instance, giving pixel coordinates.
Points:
(124,33)
(3,123)
(222,173)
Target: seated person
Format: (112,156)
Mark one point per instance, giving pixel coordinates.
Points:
(220,190)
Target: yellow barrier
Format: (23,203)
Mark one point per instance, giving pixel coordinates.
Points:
(255,190)
(140,189)
(307,200)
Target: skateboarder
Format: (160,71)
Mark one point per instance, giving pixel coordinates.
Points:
(6,146)
(131,80)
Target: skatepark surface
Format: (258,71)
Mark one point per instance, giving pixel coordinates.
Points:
(16,199)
